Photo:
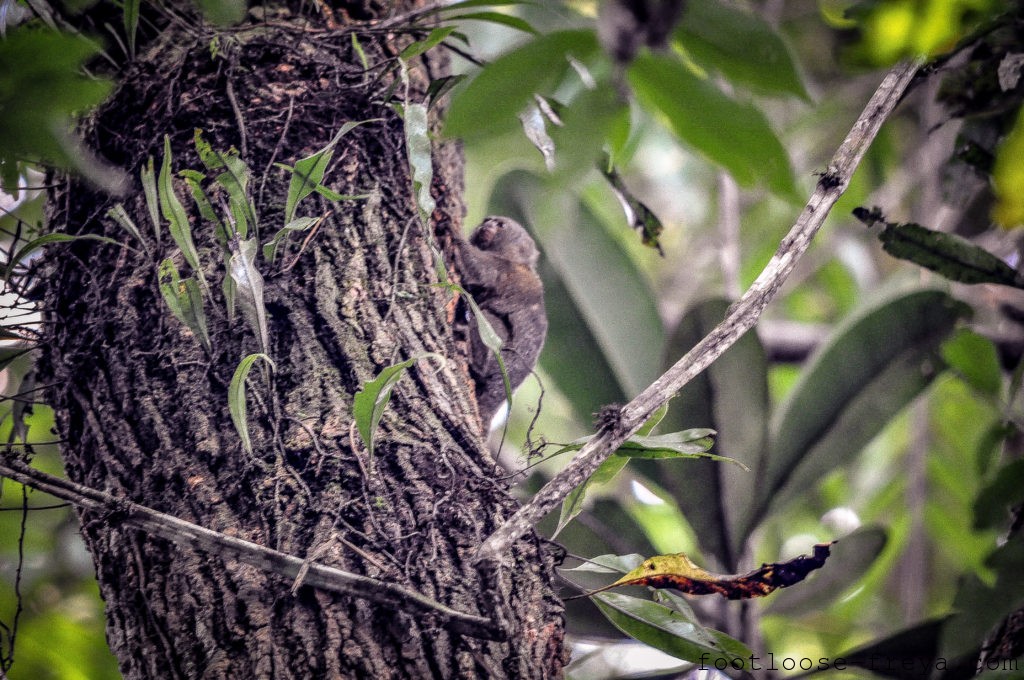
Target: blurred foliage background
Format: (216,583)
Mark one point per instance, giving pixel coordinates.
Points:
(877,403)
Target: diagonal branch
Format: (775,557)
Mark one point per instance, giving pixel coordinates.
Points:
(193,536)
(742,316)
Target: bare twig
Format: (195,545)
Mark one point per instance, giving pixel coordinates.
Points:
(193,536)
(741,317)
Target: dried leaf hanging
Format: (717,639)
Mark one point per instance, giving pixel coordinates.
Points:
(679,572)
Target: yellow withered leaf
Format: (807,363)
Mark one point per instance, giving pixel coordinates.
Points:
(679,572)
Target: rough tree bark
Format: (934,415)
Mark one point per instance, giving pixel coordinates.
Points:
(144,408)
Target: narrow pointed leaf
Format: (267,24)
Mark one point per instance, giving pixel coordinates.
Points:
(185,300)
(870,368)
(308,173)
(730,133)
(37,243)
(236,396)
(372,398)
(174,213)
(120,215)
(148,176)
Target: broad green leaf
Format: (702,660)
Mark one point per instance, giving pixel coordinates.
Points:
(300,224)
(174,213)
(975,359)
(609,564)
(732,134)
(185,300)
(236,396)
(893,656)
(491,103)
(417,144)
(435,37)
(852,557)
(741,46)
(869,369)
(249,288)
(148,175)
(42,89)
(669,630)
(373,397)
(37,243)
(496,18)
(308,172)
(587,122)
(120,215)
(731,397)
(9,354)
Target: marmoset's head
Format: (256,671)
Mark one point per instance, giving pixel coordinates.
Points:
(507,239)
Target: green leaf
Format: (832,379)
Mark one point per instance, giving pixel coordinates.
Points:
(42,89)
(491,103)
(868,370)
(120,215)
(741,46)
(37,243)
(174,213)
(496,18)
(491,340)
(249,288)
(903,655)
(9,354)
(148,175)
(131,23)
(185,299)
(193,179)
(730,133)
(948,255)
(670,630)
(300,224)
(234,179)
(975,359)
(852,557)
(308,172)
(373,397)
(236,396)
(420,46)
(609,564)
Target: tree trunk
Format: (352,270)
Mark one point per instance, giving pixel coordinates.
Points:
(143,407)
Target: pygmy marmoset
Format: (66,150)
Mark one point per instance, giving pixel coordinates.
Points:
(498,270)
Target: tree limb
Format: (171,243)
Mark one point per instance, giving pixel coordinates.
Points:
(742,316)
(187,534)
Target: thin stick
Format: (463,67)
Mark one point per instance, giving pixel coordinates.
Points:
(189,535)
(741,317)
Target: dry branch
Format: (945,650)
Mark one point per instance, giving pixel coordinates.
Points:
(189,535)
